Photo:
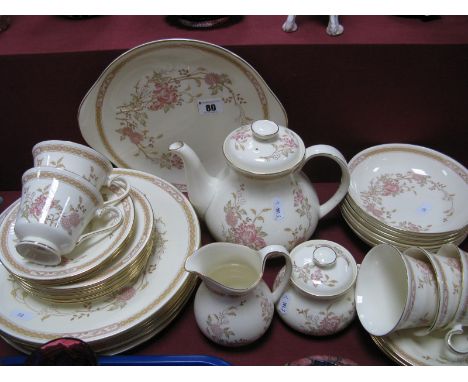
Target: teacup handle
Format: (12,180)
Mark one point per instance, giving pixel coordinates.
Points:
(272,250)
(456,330)
(332,153)
(121,183)
(112,227)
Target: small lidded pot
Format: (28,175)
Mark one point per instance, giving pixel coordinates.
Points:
(319,300)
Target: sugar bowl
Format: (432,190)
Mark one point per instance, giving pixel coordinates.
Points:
(319,299)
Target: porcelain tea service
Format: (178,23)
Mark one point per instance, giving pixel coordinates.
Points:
(233,305)
(260,197)
(319,299)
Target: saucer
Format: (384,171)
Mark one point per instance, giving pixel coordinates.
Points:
(124,268)
(173,90)
(405,348)
(30,321)
(83,260)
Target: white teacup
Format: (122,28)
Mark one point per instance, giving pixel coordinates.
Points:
(56,206)
(394,291)
(455,341)
(449,279)
(79,159)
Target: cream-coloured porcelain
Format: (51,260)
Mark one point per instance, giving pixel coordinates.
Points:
(374,236)
(395,291)
(319,299)
(56,206)
(260,197)
(103,322)
(166,90)
(406,348)
(447,266)
(124,268)
(233,305)
(410,188)
(456,337)
(81,160)
(83,260)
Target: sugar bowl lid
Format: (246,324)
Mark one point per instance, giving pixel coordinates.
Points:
(264,148)
(323,268)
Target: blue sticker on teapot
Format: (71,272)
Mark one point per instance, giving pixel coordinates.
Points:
(278,213)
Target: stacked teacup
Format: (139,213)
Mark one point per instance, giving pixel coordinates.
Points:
(61,195)
(414,289)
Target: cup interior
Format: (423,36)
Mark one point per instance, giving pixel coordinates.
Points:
(381,290)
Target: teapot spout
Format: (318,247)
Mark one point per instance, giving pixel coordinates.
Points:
(200,185)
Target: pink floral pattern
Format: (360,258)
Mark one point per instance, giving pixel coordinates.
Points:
(312,275)
(36,206)
(391,185)
(266,306)
(303,208)
(218,328)
(285,145)
(164,91)
(327,322)
(242,226)
(126,293)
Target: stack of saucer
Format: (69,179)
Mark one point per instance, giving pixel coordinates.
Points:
(113,291)
(407,195)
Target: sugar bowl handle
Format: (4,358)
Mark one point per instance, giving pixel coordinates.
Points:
(273,250)
(334,154)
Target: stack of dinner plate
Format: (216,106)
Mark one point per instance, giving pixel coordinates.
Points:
(407,195)
(114,291)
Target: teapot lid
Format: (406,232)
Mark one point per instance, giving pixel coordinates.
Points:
(264,148)
(323,268)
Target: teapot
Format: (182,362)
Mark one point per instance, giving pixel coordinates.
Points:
(260,197)
(319,300)
(233,306)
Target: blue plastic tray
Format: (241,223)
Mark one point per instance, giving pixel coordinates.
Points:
(139,360)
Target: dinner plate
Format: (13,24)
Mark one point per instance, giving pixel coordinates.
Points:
(410,188)
(82,261)
(173,90)
(405,348)
(33,321)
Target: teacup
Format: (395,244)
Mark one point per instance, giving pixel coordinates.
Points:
(394,291)
(56,206)
(460,319)
(449,279)
(79,159)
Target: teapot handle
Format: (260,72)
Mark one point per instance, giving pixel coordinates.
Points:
(332,153)
(272,250)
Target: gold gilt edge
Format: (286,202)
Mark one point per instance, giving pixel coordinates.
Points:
(68,180)
(163,45)
(7,255)
(194,243)
(441,158)
(75,151)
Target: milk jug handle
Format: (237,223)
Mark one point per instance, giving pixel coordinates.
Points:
(334,154)
(273,250)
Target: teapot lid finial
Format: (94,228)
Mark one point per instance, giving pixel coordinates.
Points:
(264,129)
(264,148)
